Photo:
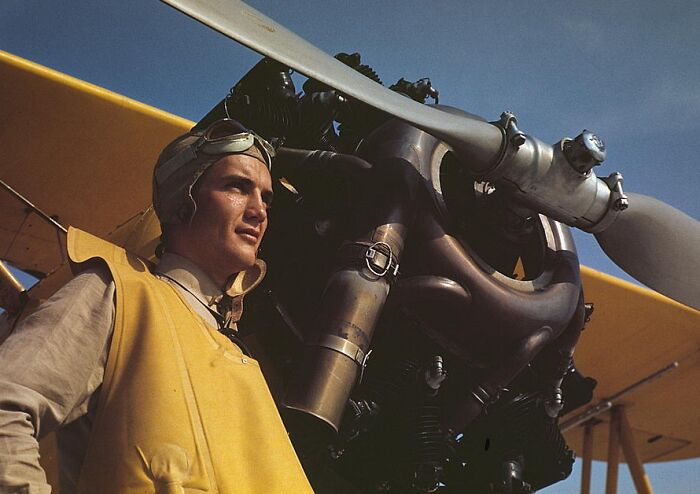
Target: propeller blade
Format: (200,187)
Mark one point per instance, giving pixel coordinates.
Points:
(659,246)
(474,138)
(652,241)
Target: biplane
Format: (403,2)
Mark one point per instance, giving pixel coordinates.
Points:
(634,337)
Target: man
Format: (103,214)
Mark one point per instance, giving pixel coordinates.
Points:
(137,366)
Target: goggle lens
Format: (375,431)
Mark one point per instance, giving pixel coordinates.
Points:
(229,136)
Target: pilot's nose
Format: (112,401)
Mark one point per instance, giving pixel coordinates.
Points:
(257,208)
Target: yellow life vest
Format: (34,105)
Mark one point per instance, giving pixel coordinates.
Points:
(181,409)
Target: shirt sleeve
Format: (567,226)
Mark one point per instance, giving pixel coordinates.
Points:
(50,366)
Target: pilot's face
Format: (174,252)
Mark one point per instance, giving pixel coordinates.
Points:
(232,199)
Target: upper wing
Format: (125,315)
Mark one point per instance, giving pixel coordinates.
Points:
(81,154)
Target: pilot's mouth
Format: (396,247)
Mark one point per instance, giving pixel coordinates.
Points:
(250,234)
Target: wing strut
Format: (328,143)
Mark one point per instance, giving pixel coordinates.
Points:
(12,292)
(32,207)
(613,452)
(639,476)
(587,457)
(621,436)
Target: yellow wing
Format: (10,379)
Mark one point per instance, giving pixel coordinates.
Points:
(633,333)
(81,154)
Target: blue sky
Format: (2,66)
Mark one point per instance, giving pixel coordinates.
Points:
(628,70)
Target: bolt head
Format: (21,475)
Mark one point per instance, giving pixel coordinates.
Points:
(621,204)
(585,152)
(594,145)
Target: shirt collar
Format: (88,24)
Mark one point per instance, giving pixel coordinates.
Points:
(193,279)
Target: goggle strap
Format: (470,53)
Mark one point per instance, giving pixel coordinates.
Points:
(266,148)
(173,164)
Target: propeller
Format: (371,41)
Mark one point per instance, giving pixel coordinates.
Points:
(652,241)
(475,139)
(658,245)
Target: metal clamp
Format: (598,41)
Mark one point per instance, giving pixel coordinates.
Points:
(618,199)
(617,202)
(509,123)
(373,257)
(346,347)
(513,140)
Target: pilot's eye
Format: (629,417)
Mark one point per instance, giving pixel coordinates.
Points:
(240,184)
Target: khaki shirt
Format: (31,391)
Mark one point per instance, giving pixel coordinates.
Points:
(52,366)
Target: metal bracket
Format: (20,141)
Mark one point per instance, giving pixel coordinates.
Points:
(617,202)
(618,199)
(346,347)
(508,122)
(513,139)
(380,260)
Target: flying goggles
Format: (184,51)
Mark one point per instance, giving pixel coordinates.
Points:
(223,137)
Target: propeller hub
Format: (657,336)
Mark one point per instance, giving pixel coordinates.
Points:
(585,152)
